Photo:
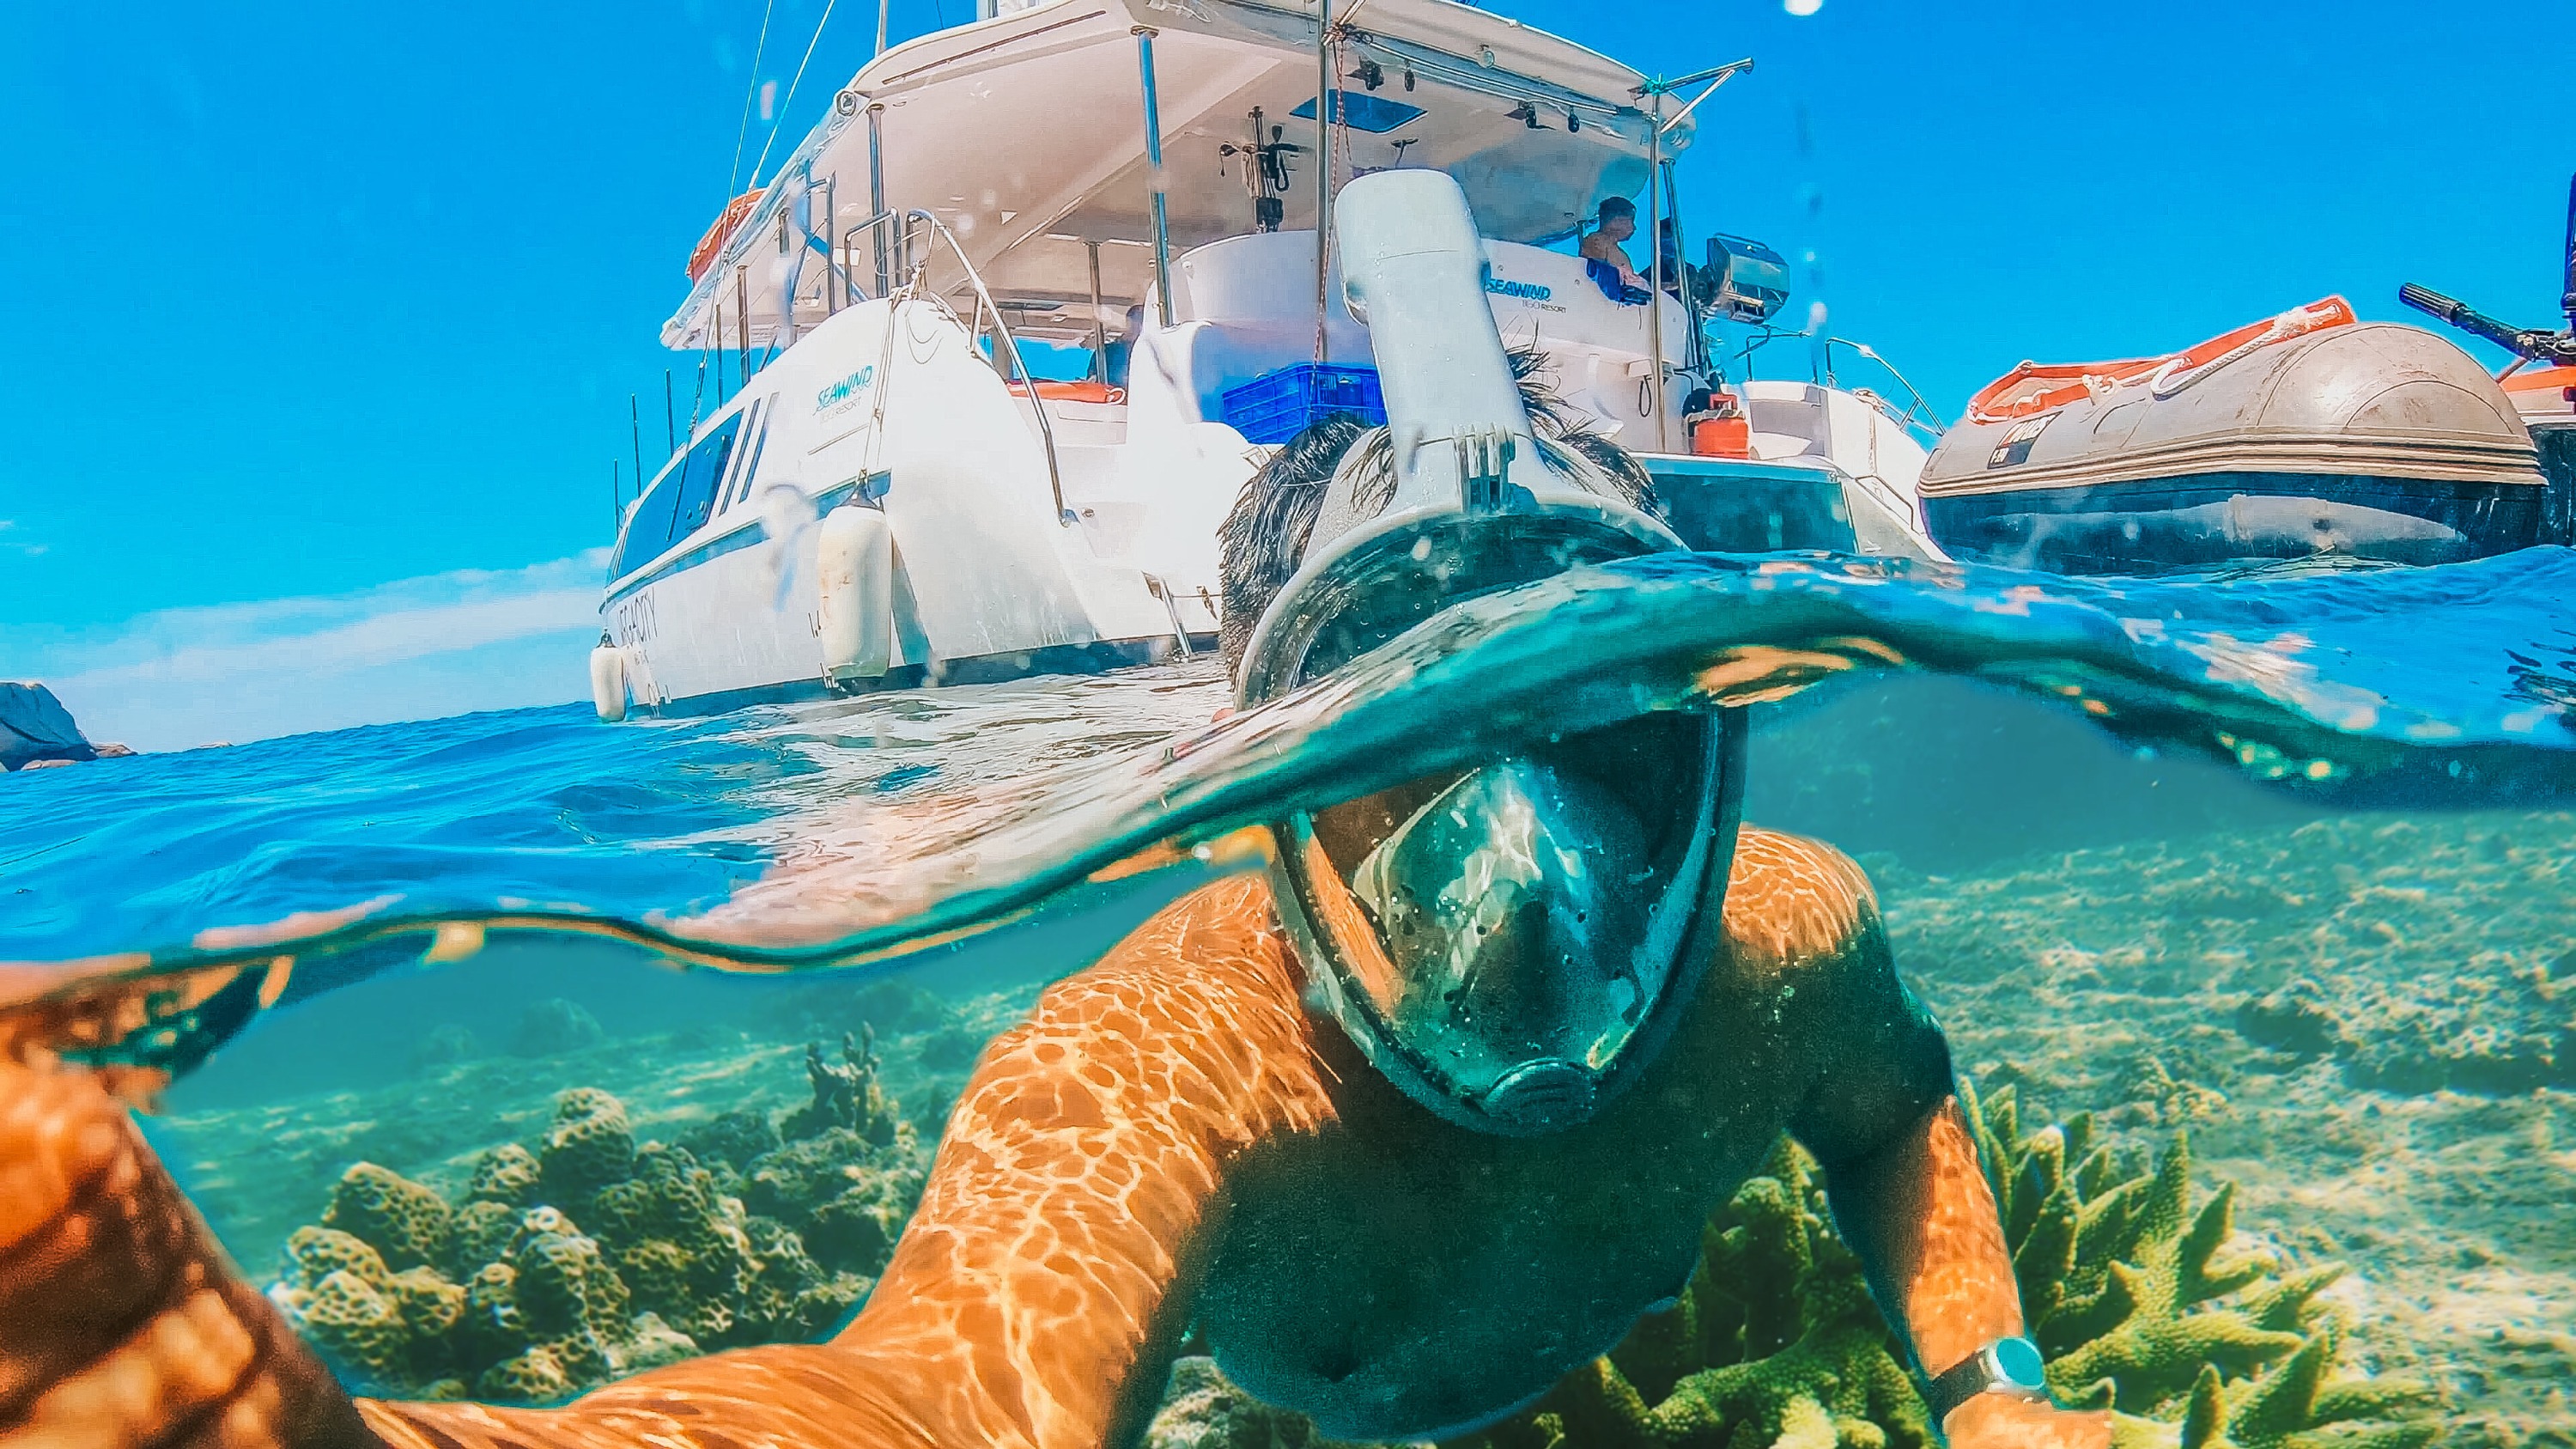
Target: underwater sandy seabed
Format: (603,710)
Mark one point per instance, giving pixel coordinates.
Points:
(2367,1022)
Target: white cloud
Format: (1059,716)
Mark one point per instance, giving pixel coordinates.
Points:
(8,525)
(419,648)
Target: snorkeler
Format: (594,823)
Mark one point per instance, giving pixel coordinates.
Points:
(1403,1132)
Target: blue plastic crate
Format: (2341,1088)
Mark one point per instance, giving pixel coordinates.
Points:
(1277,406)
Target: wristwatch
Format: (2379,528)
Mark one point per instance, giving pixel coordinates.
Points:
(2005,1366)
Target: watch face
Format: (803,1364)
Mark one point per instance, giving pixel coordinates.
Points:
(2018,1360)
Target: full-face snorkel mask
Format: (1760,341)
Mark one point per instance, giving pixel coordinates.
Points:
(1511,944)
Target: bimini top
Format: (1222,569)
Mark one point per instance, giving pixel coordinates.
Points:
(1025,135)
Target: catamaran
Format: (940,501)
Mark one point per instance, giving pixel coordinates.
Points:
(886,492)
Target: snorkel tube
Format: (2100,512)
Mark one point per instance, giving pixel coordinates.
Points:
(1509,946)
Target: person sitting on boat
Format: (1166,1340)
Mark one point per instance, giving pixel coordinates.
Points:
(1604,248)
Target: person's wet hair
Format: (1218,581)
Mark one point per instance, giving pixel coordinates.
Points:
(1265,536)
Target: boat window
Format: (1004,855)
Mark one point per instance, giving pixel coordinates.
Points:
(742,477)
(706,468)
(676,505)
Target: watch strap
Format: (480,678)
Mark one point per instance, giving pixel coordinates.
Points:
(2006,1366)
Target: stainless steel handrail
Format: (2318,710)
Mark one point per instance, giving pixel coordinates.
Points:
(983,304)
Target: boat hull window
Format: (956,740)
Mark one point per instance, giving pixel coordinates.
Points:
(679,502)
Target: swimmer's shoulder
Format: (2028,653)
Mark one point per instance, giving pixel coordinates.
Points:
(1794,905)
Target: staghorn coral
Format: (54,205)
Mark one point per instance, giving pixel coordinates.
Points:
(401,1219)
(592,1257)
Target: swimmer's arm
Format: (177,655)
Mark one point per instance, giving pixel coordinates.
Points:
(1902,1176)
(1035,1298)
(1025,1306)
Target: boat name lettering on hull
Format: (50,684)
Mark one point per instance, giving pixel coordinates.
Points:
(848,393)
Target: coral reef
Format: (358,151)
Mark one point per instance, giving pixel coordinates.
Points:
(2143,1301)
(554,1026)
(405,1221)
(2145,1304)
(2358,1020)
(588,1255)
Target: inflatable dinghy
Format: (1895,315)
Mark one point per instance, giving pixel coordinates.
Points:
(2308,433)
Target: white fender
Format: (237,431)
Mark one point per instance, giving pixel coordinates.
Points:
(854,567)
(608,682)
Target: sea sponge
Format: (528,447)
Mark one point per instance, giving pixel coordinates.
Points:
(846,1094)
(401,1219)
(588,1146)
(507,1174)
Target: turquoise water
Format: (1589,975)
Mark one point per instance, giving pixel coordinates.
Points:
(2280,858)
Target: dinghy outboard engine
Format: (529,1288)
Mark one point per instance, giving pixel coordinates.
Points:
(2546,396)
(1509,944)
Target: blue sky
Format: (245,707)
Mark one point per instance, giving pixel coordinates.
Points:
(324,316)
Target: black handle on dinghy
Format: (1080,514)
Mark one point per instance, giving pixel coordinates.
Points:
(2525,342)
(2529,343)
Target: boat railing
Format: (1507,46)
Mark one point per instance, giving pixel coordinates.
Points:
(911,260)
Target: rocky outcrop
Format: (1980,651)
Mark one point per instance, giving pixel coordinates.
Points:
(36,730)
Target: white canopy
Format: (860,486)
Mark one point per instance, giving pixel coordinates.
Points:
(1025,135)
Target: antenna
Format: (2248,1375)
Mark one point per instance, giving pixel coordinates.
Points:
(2567,299)
(635,435)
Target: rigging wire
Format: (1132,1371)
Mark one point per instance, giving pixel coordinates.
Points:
(751,87)
(819,23)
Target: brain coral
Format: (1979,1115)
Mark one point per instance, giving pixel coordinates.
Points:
(591,1256)
(401,1219)
(589,1145)
(507,1175)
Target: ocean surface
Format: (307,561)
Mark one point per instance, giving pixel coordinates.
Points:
(2281,859)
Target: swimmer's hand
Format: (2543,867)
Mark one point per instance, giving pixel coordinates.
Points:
(2000,1421)
(122,1326)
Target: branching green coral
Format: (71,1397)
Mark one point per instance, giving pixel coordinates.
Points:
(2141,1305)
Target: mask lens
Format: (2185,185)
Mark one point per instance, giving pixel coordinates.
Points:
(1501,924)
